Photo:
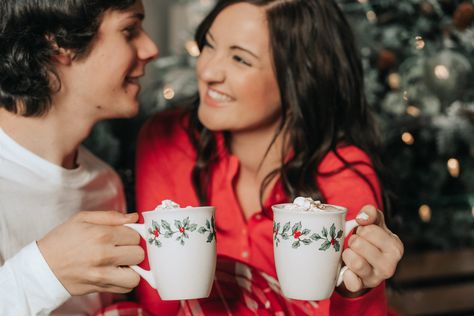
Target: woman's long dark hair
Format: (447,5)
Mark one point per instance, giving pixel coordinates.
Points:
(321,85)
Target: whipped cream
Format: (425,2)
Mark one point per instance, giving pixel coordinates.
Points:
(167,205)
(308,204)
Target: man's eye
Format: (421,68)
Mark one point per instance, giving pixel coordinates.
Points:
(131,31)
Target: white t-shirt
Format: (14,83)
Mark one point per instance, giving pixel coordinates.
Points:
(35,197)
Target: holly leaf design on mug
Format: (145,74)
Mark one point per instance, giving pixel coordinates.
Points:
(167,227)
(300,236)
(330,238)
(325,232)
(325,245)
(297,234)
(276,230)
(155,233)
(285,230)
(183,231)
(208,228)
(316,237)
(184,227)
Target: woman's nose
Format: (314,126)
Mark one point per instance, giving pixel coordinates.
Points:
(211,69)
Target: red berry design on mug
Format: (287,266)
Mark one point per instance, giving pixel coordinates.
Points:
(329,237)
(184,229)
(297,232)
(155,233)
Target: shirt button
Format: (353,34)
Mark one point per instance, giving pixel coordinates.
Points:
(245,254)
(258,217)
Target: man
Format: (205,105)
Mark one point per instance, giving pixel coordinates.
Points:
(65,65)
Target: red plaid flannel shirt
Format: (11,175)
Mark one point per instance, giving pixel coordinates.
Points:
(165,158)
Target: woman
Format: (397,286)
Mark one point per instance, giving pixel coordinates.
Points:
(281,113)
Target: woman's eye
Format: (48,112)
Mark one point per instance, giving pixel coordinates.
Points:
(207,44)
(241,60)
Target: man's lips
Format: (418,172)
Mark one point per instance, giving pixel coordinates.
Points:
(132,80)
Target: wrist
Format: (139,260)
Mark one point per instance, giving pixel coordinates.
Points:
(343,291)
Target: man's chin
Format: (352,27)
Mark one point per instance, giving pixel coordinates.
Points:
(131,111)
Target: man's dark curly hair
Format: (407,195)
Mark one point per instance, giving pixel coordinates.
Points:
(30,33)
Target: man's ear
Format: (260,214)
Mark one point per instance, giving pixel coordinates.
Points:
(61,55)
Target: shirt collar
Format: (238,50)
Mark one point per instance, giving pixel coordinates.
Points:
(231,164)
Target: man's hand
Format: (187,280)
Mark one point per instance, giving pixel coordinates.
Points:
(91,252)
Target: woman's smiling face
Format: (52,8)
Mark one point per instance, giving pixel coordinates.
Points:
(237,84)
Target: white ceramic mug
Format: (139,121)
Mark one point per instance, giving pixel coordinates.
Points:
(181,247)
(307,247)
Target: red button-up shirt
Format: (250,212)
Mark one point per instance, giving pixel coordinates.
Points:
(165,159)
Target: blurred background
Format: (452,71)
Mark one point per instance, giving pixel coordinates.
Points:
(418,57)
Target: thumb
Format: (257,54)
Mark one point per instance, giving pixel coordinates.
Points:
(369,214)
(106,217)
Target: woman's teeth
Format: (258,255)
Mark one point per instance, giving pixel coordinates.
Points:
(218,96)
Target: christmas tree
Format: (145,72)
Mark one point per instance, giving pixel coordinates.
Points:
(418,57)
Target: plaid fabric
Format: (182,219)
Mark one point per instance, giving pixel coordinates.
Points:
(238,290)
(122,309)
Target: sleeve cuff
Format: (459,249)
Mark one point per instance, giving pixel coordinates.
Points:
(41,289)
(372,303)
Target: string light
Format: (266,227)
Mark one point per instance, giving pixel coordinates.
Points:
(192,48)
(394,80)
(371,16)
(408,138)
(168,92)
(405,95)
(419,42)
(454,168)
(441,72)
(425,213)
(413,111)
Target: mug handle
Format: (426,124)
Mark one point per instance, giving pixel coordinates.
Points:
(348,227)
(145,274)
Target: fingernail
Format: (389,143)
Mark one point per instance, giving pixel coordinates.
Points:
(362,216)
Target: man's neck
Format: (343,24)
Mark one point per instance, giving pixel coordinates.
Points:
(51,137)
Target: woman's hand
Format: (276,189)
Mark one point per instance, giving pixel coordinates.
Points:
(372,255)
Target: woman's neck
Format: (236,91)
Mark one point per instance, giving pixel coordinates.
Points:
(254,151)
(257,160)
(52,137)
